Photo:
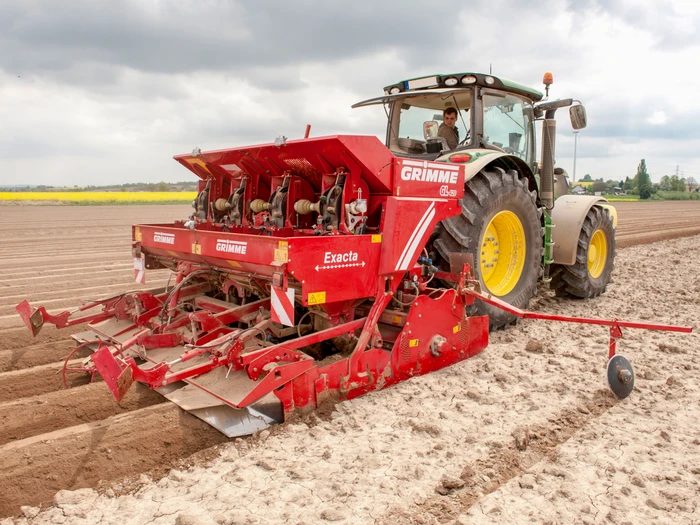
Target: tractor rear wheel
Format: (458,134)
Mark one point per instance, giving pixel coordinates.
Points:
(590,275)
(500,227)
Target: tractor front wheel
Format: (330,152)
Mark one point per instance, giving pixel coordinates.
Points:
(590,275)
(500,227)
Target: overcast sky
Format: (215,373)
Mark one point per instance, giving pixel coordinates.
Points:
(107,92)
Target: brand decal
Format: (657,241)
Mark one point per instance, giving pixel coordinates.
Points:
(165,238)
(331,257)
(332,261)
(445,191)
(228,246)
(429,172)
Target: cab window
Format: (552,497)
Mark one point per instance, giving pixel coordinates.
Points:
(508,124)
(414,117)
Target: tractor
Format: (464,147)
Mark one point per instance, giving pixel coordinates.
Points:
(518,222)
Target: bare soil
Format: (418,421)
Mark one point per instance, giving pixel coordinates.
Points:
(524,432)
(647,222)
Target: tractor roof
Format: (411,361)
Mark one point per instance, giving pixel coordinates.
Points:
(457,80)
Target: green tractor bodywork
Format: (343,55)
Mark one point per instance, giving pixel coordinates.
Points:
(518,221)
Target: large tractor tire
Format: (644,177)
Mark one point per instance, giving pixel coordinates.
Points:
(590,275)
(500,227)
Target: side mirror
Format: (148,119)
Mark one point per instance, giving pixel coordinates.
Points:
(430,129)
(577,114)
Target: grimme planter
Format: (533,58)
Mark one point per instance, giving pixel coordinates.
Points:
(317,270)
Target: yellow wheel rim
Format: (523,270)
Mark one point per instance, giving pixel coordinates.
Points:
(503,253)
(597,254)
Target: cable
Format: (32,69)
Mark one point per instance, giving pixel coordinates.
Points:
(443,290)
(467,131)
(232,337)
(256,329)
(300,320)
(402,303)
(177,287)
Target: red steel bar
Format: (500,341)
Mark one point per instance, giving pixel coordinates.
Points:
(487,298)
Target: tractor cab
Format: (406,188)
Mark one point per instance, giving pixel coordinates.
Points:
(508,208)
(492,114)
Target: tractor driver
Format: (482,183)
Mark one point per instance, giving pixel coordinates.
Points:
(447,129)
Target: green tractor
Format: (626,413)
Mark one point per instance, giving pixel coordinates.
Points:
(518,222)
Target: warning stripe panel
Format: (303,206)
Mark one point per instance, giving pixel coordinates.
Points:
(282,306)
(140,269)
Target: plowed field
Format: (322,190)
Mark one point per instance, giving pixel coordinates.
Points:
(525,432)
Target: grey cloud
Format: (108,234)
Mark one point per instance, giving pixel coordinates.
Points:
(185,37)
(659,19)
(629,122)
(284,78)
(148,79)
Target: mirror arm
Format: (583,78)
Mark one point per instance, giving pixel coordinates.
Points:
(550,107)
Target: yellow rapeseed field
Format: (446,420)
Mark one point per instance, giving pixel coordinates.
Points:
(98,196)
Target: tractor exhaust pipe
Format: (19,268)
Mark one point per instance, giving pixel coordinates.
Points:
(549,133)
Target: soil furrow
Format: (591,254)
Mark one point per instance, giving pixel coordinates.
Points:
(33,416)
(35,355)
(529,446)
(38,380)
(156,437)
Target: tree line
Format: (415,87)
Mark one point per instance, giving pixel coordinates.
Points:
(642,185)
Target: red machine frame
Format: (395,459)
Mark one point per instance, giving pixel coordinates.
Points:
(360,271)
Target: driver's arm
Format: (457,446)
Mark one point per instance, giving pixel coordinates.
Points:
(449,136)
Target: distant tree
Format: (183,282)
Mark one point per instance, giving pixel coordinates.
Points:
(692,183)
(643,180)
(587,178)
(673,183)
(665,184)
(162,186)
(598,185)
(677,184)
(628,185)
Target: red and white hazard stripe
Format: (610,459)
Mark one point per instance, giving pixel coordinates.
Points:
(140,269)
(412,245)
(282,304)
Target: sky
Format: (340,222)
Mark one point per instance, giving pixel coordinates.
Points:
(107,92)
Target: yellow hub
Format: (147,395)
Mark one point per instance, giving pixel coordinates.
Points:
(597,254)
(502,253)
